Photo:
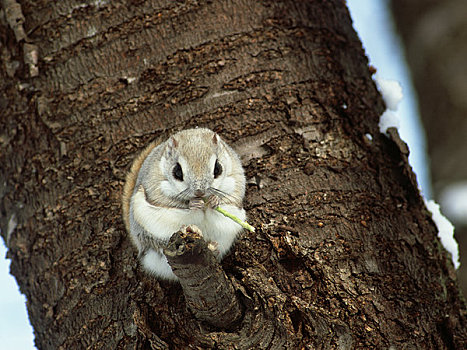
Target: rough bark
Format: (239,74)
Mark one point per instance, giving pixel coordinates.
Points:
(345,254)
(434,34)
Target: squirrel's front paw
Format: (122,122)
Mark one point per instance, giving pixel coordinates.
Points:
(213,202)
(201,203)
(196,203)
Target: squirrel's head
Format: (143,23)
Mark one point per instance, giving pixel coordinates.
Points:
(197,163)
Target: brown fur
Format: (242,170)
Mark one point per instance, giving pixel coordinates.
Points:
(130,182)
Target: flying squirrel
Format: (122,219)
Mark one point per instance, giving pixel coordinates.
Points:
(179,183)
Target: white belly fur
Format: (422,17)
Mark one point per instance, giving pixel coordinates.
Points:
(163,222)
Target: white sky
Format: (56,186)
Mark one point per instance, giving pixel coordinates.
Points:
(15,331)
(372,22)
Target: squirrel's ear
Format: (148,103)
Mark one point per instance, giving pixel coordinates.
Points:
(172,144)
(215,139)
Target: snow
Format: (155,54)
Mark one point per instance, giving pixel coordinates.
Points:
(445,231)
(453,199)
(391,91)
(388,119)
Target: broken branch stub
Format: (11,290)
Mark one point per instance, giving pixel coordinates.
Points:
(208,293)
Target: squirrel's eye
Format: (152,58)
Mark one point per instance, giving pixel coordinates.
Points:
(177,172)
(217,169)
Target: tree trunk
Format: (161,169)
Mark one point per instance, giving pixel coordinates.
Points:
(345,254)
(435,38)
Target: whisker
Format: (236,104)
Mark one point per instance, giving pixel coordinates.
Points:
(182,198)
(223,195)
(178,201)
(184,195)
(218,192)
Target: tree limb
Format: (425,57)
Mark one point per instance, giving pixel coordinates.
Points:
(209,294)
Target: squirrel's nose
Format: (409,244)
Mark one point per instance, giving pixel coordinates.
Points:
(199,193)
